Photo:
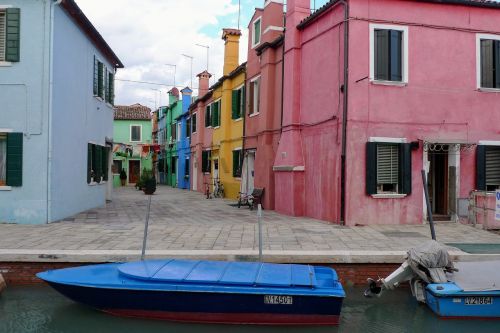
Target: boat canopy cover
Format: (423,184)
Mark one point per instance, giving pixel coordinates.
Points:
(477,276)
(222,273)
(432,256)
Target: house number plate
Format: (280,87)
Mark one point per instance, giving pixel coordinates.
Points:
(273,299)
(478,300)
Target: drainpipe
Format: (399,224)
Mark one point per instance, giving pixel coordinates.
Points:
(244,132)
(50,104)
(344,114)
(283,71)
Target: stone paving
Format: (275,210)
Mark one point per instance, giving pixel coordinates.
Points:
(186,221)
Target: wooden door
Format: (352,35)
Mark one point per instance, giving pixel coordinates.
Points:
(134,171)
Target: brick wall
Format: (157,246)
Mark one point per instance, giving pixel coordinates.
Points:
(349,274)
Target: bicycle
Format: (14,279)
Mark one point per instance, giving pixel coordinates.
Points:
(218,189)
(245,200)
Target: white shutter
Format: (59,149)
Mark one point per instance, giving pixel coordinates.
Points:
(2,35)
(493,166)
(387,164)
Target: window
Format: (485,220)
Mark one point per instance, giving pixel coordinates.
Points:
(135,133)
(188,127)
(238,103)
(10,24)
(104,82)
(173,164)
(237,161)
(179,131)
(256,34)
(186,168)
(208,116)
(193,123)
(389,53)
(489,61)
(254,96)
(388,168)
(173,131)
(11,159)
(488,168)
(97,163)
(216,114)
(117,166)
(205,161)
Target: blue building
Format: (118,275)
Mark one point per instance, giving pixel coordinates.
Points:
(56,114)
(183,144)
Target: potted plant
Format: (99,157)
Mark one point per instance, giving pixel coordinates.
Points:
(147,182)
(123,177)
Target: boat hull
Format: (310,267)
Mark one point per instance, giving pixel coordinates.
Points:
(455,307)
(207,307)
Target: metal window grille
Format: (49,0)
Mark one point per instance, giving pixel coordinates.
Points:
(2,35)
(493,167)
(387,165)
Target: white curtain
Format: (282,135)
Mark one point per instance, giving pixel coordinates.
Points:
(3,159)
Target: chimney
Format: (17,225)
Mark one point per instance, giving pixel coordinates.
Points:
(186,98)
(173,95)
(203,82)
(231,38)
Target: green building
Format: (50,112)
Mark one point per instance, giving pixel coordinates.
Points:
(132,149)
(168,163)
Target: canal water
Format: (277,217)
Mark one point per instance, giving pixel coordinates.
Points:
(42,310)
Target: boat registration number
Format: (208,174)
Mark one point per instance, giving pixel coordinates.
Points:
(478,300)
(275,299)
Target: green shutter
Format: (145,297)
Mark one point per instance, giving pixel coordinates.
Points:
(371,168)
(235,101)
(100,79)
(105,84)
(207,116)
(481,168)
(96,76)
(213,115)
(14,159)
(13,34)
(105,166)
(218,114)
(244,101)
(89,163)
(111,83)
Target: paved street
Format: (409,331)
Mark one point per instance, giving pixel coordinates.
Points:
(186,222)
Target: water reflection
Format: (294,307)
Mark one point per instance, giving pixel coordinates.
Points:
(42,310)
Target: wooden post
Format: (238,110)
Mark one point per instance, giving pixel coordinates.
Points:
(2,284)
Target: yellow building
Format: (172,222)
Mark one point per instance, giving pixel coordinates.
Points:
(227,113)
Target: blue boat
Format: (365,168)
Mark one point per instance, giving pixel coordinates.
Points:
(473,292)
(206,291)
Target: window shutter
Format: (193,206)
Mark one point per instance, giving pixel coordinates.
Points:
(481,168)
(493,166)
(218,113)
(89,163)
(106,91)
(382,55)
(188,127)
(2,35)
(396,53)
(213,115)
(13,34)
(98,163)
(193,126)
(204,161)
(14,159)
(243,101)
(100,79)
(487,60)
(371,168)
(235,104)
(405,168)
(111,84)
(387,164)
(96,76)
(497,64)
(235,162)
(207,116)
(105,166)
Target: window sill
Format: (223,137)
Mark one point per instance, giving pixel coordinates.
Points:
(100,99)
(389,83)
(216,127)
(5,188)
(95,184)
(239,119)
(388,196)
(254,114)
(5,64)
(489,90)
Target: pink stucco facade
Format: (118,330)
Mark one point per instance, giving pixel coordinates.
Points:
(439,103)
(262,130)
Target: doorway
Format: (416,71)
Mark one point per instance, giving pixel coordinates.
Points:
(134,171)
(438,184)
(195,173)
(216,169)
(249,172)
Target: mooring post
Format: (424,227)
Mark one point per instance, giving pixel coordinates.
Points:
(428,203)
(145,239)
(259,216)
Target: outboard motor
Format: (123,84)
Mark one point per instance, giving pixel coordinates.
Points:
(427,263)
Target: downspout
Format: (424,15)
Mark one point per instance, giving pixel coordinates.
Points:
(283,71)
(244,132)
(344,114)
(50,105)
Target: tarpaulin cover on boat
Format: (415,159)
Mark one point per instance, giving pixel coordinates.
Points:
(477,276)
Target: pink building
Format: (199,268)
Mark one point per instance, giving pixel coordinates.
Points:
(264,99)
(376,91)
(201,136)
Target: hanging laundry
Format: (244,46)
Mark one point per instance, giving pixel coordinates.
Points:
(136,151)
(145,151)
